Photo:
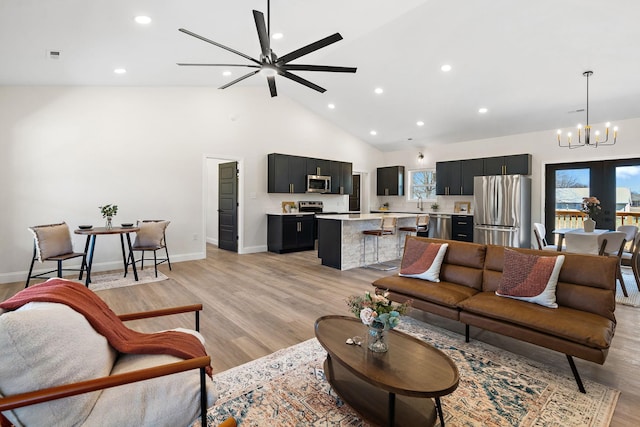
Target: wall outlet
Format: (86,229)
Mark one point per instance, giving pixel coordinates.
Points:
(195,237)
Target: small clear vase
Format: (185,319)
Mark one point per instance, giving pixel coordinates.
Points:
(109,224)
(377,338)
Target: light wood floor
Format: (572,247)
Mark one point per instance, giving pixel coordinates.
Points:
(258,303)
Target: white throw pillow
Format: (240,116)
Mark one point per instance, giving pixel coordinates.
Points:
(422,260)
(52,240)
(47,344)
(150,234)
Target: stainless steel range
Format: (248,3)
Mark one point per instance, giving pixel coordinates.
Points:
(315,207)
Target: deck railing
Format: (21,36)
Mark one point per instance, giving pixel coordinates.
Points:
(571,218)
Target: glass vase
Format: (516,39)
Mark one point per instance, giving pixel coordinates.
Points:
(109,224)
(377,338)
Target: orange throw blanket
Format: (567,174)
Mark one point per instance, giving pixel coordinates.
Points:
(107,323)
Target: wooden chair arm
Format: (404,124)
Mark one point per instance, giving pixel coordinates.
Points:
(161,312)
(58,392)
(197,308)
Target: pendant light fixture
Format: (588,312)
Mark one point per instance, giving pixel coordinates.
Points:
(585,137)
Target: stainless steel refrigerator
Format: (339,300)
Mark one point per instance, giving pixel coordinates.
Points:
(502,210)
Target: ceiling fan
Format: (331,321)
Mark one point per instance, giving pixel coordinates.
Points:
(269,63)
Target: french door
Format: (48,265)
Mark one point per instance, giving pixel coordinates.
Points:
(616,183)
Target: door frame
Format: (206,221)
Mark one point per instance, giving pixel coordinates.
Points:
(223,158)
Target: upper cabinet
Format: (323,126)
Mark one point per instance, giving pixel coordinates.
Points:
(341,178)
(390,181)
(519,164)
(288,174)
(455,178)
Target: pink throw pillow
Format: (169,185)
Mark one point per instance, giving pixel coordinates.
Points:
(422,260)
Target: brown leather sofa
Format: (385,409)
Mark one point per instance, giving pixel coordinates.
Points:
(583,325)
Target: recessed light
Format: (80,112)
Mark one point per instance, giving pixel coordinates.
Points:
(373,132)
(483,110)
(277,36)
(446,68)
(120,71)
(378,90)
(420,123)
(142,19)
(331,106)
(226,73)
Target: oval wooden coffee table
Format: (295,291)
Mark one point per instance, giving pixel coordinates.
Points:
(369,382)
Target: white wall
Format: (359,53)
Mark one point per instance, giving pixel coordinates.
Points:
(67,150)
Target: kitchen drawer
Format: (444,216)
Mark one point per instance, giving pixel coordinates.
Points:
(462,228)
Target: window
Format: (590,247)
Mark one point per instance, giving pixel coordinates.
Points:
(422,184)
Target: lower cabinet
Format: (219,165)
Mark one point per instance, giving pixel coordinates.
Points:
(290,233)
(462,228)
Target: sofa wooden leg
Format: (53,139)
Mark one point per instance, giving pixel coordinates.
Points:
(576,375)
(466,333)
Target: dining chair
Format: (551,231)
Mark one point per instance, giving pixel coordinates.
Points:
(422,226)
(150,238)
(387,227)
(630,259)
(631,232)
(612,244)
(540,231)
(52,242)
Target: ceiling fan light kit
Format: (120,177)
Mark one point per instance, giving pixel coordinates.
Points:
(269,64)
(588,140)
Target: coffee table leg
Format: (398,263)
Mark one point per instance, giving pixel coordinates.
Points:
(439,409)
(392,409)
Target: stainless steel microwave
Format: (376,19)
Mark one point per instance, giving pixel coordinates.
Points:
(318,184)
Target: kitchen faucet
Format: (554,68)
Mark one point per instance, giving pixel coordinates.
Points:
(420,203)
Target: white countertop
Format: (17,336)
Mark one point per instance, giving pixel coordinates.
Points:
(363,217)
(289,213)
(424,212)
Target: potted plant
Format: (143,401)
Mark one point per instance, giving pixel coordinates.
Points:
(435,207)
(108,212)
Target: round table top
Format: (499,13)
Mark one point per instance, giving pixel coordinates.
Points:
(411,367)
(105,230)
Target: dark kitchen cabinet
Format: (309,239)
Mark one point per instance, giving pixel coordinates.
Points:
(519,164)
(449,178)
(341,178)
(318,167)
(286,174)
(455,178)
(290,233)
(390,181)
(462,228)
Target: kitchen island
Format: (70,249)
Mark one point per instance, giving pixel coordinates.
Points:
(340,239)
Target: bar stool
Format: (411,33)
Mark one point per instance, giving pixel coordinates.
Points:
(422,226)
(387,227)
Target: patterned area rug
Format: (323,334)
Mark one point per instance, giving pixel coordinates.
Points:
(100,282)
(632,289)
(497,388)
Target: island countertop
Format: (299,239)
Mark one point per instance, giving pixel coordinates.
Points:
(364,217)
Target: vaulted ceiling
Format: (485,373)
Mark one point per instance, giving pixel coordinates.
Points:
(522,61)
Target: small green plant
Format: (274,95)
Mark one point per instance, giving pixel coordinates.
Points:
(435,206)
(108,210)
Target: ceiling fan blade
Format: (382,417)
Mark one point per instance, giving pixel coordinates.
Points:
(329,68)
(272,86)
(262,34)
(302,81)
(309,48)
(217,65)
(204,39)
(239,79)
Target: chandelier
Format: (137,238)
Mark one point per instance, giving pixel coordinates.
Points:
(586,139)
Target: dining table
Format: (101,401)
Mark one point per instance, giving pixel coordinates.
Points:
(89,248)
(584,242)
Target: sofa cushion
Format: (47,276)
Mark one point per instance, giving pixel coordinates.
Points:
(442,293)
(163,401)
(577,326)
(422,260)
(47,344)
(531,278)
